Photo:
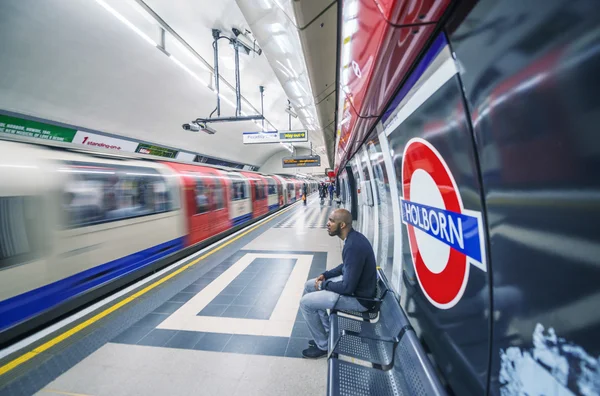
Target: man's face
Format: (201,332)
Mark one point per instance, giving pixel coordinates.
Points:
(333,226)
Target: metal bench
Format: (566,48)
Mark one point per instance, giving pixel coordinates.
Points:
(368,341)
(412,374)
(373,313)
(391,361)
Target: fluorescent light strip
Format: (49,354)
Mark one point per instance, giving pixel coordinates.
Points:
(184,67)
(175,60)
(126,22)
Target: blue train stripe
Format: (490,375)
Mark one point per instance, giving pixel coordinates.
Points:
(18,308)
(241,219)
(273,207)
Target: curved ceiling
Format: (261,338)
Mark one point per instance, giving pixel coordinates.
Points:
(78,63)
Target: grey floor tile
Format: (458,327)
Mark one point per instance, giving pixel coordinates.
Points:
(232,290)
(259,313)
(182,297)
(236,311)
(244,300)
(213,310)
(213,342)
(251,291)
(295,347)
(299,317)
(300,330)
(157,337)
(241,344)
(132,335)
(151,320)
(272,346)
(194,289)
(223,299)
(169,307)
(184,339)
(240,282)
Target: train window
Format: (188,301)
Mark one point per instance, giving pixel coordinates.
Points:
(99,193)
(272,187)
(21,234)
(202,193)
(219,200)
(238,187)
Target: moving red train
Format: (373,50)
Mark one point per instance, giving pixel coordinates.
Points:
(76,225)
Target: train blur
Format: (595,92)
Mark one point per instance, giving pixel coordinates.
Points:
(74,222)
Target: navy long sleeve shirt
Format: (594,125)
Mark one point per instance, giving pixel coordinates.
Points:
(358,268)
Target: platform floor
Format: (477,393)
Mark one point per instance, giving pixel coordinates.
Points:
(225,321)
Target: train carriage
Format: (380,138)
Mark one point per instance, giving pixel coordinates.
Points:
(205,201)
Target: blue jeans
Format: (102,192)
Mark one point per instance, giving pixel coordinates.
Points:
(314,305)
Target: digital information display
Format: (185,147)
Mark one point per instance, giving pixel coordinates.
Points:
(301,161)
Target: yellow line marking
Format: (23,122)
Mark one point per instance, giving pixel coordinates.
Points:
(58,339)
(63,393)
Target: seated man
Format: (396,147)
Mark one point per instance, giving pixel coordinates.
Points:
(340,286)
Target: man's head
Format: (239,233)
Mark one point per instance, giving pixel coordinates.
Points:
(340,223)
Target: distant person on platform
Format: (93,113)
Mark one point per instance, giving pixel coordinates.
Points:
(339,287)
(331,188)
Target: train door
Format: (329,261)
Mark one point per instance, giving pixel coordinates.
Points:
(272,193)
(199,191)
(384,212)
(240,202)
(369,198)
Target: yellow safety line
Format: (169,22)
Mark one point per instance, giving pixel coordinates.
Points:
(58,339)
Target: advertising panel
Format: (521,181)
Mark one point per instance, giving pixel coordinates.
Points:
(159,151)
(95,140)
(34,129)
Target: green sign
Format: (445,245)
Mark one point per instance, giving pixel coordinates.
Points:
(144,148)
(293,136)
(20,127)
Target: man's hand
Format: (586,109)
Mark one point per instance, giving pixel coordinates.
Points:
(321,278)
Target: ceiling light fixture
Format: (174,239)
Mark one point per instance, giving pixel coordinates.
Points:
(126,22)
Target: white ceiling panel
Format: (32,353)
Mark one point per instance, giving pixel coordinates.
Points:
(73,61)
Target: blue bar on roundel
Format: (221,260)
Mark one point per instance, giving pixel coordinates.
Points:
(457,230)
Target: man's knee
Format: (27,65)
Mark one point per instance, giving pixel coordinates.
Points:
(309,286)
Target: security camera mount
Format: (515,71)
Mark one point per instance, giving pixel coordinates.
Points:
(245,43)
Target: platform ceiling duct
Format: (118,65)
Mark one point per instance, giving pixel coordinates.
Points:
(299,41)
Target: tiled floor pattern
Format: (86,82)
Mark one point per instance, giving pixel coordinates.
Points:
(161,329)
(308,217)
(143,370)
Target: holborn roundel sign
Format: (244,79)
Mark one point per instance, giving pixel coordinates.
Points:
(445,238)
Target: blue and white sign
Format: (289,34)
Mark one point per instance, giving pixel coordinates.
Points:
(260,137)
(445,238)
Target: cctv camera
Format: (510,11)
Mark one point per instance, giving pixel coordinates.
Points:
(192,126)
(291,112)
(209,130)
(246,43)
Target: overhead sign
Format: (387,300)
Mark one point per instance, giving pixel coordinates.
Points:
(260,137)
(274,137)
(293,136)
(95,140)
(34,129)
(159,151)
(445,238)
(301,161)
